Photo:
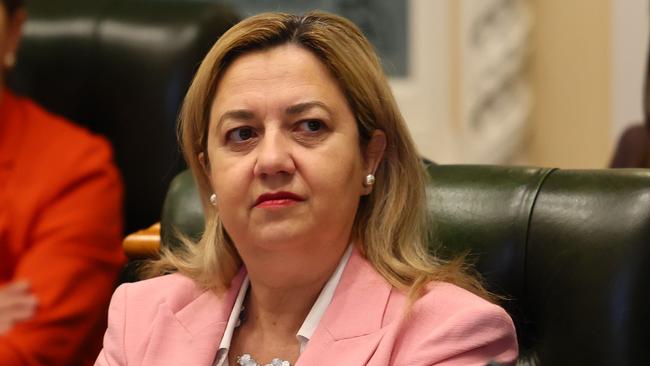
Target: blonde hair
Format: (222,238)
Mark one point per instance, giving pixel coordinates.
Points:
(391,222)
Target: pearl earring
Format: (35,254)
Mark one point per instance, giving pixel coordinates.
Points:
(369,181)
(213,199)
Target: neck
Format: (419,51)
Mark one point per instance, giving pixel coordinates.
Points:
(280,311)
(280,300)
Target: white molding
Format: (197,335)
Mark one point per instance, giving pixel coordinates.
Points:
(495,90)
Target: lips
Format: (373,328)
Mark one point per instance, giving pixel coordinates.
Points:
(277,199)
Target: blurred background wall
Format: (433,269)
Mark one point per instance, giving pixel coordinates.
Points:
(571,69)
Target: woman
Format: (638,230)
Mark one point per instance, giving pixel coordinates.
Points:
(60,221)
(315,248)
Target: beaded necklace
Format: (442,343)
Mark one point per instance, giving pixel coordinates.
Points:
(247,360)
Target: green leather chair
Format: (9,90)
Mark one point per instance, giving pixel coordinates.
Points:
(570,249)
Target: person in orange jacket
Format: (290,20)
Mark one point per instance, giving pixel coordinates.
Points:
(60,227)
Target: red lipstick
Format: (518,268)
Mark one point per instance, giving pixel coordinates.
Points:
(277,200)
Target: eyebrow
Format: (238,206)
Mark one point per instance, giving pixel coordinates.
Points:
(301,107)
(246,115)
(238,114)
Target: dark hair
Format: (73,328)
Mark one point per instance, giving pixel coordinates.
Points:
(13,5)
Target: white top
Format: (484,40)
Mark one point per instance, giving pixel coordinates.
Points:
(309,324)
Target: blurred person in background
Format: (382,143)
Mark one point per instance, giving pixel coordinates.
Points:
(60,226)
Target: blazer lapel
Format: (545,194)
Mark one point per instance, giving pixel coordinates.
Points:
(191,335)
(351,328)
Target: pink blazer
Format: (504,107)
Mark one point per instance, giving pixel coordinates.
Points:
(170,321)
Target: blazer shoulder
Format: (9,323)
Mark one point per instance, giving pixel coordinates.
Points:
(451,323)
(49,128)
(456,308)
(449,297)
(174,289)
(441,300)
(50,148)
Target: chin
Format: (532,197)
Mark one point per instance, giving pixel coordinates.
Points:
(279,239)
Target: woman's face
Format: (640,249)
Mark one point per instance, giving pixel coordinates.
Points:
(283,154)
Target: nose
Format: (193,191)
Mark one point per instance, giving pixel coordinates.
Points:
(274,155)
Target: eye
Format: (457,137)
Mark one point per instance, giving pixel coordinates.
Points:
(312,125)
(240,134)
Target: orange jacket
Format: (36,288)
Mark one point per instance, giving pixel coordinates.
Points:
(60,229)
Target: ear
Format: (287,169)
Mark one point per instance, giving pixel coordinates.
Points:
(205,166)
(203,163)
(12,38)
(373,155)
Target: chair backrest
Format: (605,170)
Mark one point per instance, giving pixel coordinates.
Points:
(570,248)
(121,68)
